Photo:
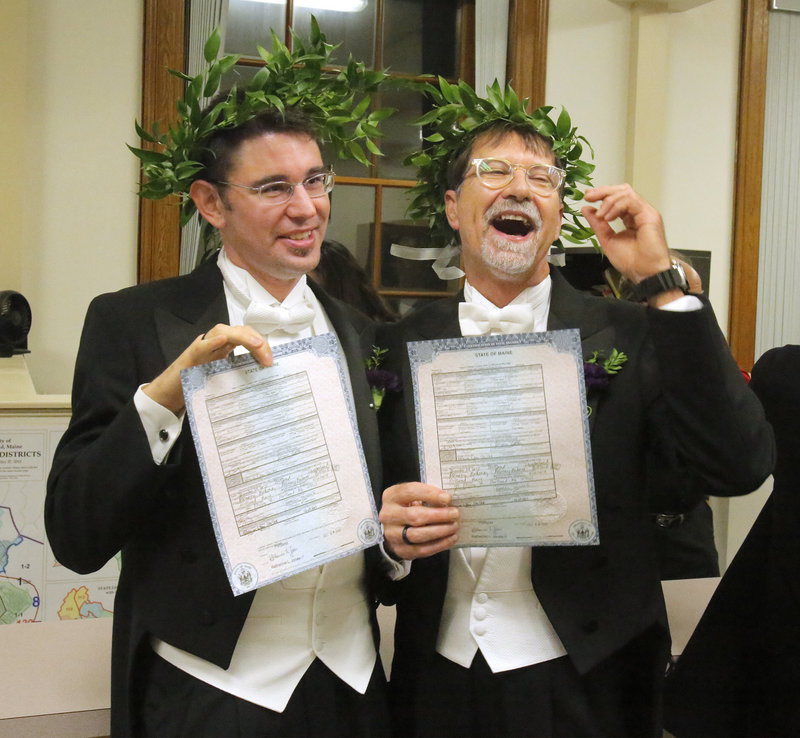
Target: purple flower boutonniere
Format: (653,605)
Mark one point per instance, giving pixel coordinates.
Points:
(380,380)
(598,369)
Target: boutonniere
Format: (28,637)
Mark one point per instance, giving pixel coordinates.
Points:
(380,380)
(598,368)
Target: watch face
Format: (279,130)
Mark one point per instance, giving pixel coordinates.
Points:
(676,266)
(680,276)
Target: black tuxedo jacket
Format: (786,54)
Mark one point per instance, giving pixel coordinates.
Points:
(738,674)
(681,380)
(105,494)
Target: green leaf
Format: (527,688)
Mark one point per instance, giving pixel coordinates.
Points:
(212,83)
(381,114)
(186,169)
(147,156)
(495,96)
(316,34)
(144,135)
(564,124)
(450,92)
(228,62)
(358,153)
(372,146)
(180,75)
(361,108)
(428,117)
(211,48)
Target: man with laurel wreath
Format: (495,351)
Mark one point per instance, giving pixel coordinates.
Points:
(293,658)
(560,640)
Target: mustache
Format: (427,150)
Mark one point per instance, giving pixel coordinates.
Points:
(523,207)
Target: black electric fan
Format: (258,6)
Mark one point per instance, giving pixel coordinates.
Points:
(15,323)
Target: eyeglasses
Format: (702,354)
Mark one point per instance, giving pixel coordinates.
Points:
(497,173)
(278,192)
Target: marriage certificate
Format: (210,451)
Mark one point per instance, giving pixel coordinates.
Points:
(502,426)
(281,458)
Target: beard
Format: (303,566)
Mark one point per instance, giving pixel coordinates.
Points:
(511,257)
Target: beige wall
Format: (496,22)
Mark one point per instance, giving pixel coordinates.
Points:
(13,16)
(71,80)
(655,93)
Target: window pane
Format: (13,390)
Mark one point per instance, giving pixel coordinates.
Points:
(249,23)
(352,209)
(354,29)
(419,36)
(395,203)
(396,272)
(400,137)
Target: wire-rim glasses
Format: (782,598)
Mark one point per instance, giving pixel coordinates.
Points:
(279,191)
(544,179)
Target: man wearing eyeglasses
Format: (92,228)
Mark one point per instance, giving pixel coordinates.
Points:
(559,640)
(296,657)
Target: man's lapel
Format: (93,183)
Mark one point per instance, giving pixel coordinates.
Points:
(440,320)
(198,308)
(570,308)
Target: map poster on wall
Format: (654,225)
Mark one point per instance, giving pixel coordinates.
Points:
(34,587)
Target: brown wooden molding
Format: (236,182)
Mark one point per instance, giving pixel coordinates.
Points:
(466,41)
(526,68)
(747,186)
(164,49)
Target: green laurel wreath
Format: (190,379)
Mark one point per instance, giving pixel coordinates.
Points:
(337,102)
(459,114)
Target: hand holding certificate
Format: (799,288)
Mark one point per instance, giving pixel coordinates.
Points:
(502,427)
(282,463)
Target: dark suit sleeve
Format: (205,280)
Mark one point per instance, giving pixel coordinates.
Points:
(718,424)
(104,486)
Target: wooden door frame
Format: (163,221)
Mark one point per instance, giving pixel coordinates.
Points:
(164,48)
(747,180)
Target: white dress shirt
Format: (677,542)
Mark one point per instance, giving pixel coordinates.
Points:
(319,613)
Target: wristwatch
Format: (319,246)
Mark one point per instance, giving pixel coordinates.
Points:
(670,279)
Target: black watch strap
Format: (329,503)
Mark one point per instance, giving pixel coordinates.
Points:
(670,279)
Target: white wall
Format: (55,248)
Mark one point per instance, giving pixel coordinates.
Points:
(68,194)
(700,142)
(655,93)
(588,49)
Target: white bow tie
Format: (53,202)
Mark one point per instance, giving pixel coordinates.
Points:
(478,320)
(269,318)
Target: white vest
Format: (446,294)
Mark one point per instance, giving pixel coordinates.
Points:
(320,613)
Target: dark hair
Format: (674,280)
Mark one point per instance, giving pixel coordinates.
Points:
(341,276)
(222,145)
(492,133)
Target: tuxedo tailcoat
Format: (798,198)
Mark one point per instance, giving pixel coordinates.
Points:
(680,380)
(105,494)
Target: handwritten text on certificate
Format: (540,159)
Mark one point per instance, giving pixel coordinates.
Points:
(282,463)
(502,426)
